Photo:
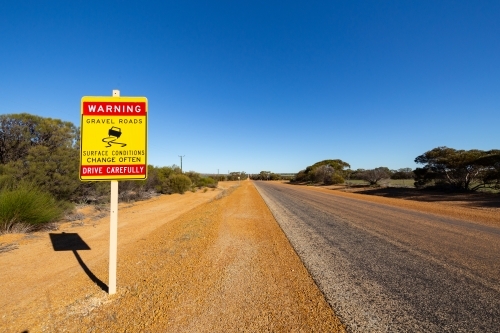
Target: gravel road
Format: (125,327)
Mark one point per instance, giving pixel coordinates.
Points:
(389,269)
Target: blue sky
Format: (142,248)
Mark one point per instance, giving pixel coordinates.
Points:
(266,85)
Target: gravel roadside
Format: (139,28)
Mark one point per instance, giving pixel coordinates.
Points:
(224,266)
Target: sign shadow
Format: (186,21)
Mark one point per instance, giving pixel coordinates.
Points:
(73,242)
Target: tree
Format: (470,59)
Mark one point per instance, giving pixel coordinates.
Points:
(42,151)
(323,173)
(326,172)
(20,132)
(179,183)
(491,162)
(301,176)
(52,170)
(199,181)
(327,175)
(237,175)
(373,176)
(403,173)
(274,176)
(194,176)
(356,174)
(466,170)
(264,175)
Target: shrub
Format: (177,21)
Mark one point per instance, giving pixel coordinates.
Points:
(27,205)
(373,176)
(93,192)
(324,172)
(206,182)
(42,151)
(337,179)
(178,184)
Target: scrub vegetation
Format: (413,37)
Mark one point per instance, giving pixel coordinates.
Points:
(27,208)
(459,170)
(39,182)
(444,169)
(40,157)
(268,175)
(327,172)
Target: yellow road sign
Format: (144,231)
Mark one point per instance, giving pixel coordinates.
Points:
(113,138)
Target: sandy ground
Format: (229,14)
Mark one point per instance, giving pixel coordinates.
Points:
(212,261)
(200,262)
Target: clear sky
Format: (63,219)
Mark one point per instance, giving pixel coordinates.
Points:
(266,85)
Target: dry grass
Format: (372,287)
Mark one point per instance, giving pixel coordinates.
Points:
(14,227)
(8,247)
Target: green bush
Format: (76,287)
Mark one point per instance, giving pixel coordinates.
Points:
(41,151)
(178,184)
(26,204)
(206,182)
(337,179)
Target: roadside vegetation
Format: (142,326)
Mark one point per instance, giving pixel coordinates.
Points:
(234,176)
(26,208)
(327,172)
(268,175)
(444,169)
(39,183)
(459,170)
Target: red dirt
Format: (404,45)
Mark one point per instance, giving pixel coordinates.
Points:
(185,264)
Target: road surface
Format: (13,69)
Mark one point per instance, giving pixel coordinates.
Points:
(389,269)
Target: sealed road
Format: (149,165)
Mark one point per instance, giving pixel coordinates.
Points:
(389,269)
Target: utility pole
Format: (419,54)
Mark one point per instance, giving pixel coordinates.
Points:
(181,160)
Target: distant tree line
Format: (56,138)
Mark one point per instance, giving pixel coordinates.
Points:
(266,175)
(237,175)
(444,168)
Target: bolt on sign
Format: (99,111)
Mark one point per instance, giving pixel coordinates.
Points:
(113,138)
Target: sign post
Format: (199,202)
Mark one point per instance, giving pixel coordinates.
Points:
(113,147)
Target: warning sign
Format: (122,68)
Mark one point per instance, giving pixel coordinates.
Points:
(113,138)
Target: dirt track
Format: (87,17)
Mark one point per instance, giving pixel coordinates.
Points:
(222,266)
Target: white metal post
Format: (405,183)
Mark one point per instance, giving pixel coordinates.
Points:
(113,230)
(113,237)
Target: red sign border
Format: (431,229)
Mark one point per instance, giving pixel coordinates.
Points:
(113,100)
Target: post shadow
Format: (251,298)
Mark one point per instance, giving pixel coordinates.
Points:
(73,242)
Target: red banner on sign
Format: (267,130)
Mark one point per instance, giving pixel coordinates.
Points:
(112,170)
(114,109)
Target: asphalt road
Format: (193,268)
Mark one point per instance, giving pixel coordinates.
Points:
(388,269)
